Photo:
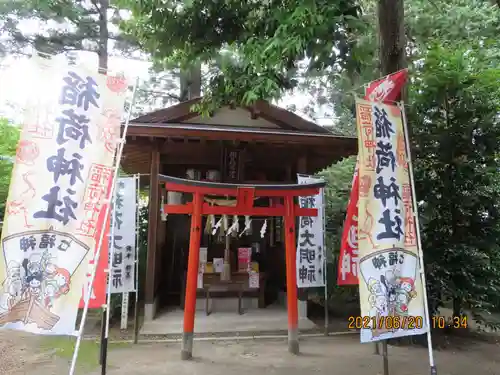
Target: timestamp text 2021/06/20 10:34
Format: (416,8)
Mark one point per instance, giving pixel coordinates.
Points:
(405,322)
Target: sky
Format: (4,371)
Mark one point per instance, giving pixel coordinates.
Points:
(15,80)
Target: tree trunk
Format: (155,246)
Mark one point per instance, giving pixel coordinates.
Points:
(190,79)
(392,41)
(457,306)
(102,51)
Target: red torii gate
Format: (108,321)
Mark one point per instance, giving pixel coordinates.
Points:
(245,195)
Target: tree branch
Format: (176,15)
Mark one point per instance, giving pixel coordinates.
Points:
(125,39)
(94,3)
(161,94)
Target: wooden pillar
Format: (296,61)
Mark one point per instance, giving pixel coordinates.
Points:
(192,278)
(150,300)
(291,277)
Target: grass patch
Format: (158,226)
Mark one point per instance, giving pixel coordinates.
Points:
(88,354)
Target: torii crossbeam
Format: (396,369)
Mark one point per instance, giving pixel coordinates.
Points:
(245,195)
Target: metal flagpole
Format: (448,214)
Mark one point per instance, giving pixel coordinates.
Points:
(103,326)
(101,238)
(112,237)
(110,269)
(376,349)
(326,262)
(419,241)
(385,357)
(137,233)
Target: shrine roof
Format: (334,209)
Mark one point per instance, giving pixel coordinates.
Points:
(261,118)
(270,136)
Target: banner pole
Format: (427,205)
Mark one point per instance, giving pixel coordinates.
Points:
(325,255)
(385,357)
(110,269)
(124,310)
(112,237)
(376,349)
(101,238)
(137,234)
(103,326)
(419,241)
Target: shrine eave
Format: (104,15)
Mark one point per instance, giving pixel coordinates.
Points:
(158,130)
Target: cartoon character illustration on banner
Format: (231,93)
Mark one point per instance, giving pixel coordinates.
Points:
(58,283)
(390,277)
(36,280)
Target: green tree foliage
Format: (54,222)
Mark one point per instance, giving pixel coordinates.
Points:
(9,136)
(454,113)
(452,21)
(338,179)
(257,45)
(448,22)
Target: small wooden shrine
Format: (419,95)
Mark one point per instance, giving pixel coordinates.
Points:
(243,197)
(262,144)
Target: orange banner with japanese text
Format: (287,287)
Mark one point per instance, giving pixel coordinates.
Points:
(390,286)
(60,184)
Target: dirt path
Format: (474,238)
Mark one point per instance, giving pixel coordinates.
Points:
(341,355)
(24,354)
(333,356)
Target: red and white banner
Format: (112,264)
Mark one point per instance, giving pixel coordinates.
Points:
(384,90)
(98,296)
(59,187)
(349,261)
